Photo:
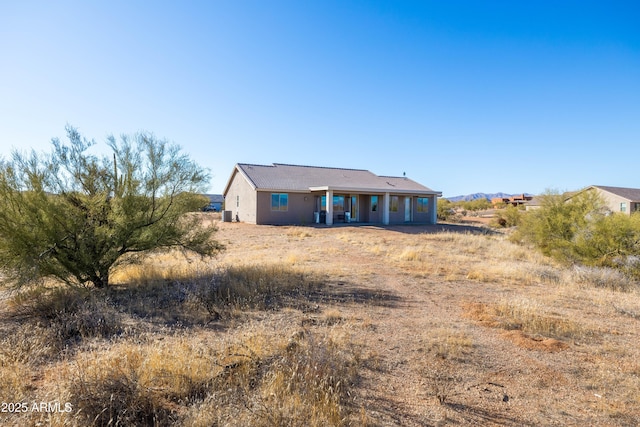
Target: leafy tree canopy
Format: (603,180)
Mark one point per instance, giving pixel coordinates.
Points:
(75,216)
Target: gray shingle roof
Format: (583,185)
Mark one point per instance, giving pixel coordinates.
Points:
(632,194)
(301,178)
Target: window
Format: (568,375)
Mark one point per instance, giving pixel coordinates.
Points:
(423,204)
(623,206)
(323,203)
(338,203)
(237,201)
(394,204)
(374,203)
(279,201)
(636,207)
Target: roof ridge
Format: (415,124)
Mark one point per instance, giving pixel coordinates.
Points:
(322,167)
(614,186)
(255,164)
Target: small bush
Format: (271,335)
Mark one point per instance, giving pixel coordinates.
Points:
(507,217)
(71,314)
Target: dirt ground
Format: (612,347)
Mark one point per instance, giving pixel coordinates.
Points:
(450,324)
(431,361)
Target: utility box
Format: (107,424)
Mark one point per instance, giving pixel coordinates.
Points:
(226,216)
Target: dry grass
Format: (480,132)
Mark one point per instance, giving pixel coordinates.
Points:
(331,326)
(527,316)
(259,379)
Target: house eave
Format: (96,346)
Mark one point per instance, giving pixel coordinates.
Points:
(237,169)
(362,190)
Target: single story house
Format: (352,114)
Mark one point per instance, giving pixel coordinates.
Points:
(618,199)
(534,203)
(289,194)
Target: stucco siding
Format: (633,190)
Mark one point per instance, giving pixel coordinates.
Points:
(299,210)
(241,200)
(398,216)
(422,216)
(613,201)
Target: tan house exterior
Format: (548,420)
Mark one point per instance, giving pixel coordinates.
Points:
(618,199)
(281,194)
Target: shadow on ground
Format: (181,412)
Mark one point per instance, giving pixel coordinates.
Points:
(419,228)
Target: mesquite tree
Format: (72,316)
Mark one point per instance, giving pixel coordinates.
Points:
(74,216)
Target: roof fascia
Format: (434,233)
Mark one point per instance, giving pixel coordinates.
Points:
(282,190)
(238,169)
(374,190)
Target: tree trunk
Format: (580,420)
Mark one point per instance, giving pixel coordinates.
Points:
(100,280)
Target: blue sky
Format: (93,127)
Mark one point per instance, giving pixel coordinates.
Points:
(463,96)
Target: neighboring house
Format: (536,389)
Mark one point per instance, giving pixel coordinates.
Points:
(515,200)
(533,204)
(215,202)
(290,194)
(618,199)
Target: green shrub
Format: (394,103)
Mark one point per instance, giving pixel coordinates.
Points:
(553,226)
(507,217)
(476,205)
(581,230)
(445,209)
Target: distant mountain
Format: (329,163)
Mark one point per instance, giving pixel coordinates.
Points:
(477,196)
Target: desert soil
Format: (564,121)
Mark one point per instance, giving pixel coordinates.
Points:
(430,362)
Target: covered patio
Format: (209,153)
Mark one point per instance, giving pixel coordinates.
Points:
(374,206)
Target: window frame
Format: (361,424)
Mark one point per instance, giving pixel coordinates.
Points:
(422,204)
(394,203)
(281,207)
(337,207)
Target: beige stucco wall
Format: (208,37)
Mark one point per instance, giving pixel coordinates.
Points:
(418,217)
(300,209)
(422,216)
(613,201)
(241,200)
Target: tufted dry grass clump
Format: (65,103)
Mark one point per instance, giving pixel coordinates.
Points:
(527,316)
(71,314)
(602,277)
(449,344)
(258,380)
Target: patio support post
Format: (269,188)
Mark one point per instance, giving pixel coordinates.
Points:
(385,209)
(329,207)
(433,213)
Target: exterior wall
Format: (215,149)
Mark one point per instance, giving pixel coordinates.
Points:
(241,200)
(366,214)
(424,217)
(613,202)
(396,217)
(301,207)
(429,217)
(255,207)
